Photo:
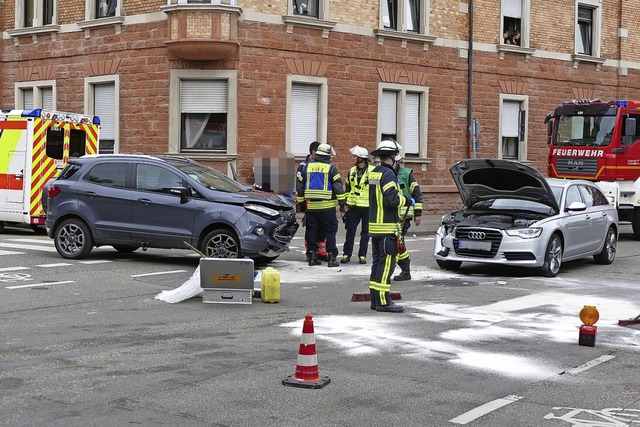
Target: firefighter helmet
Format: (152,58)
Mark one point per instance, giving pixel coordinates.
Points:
(360,152)
(324,150)
(386,147)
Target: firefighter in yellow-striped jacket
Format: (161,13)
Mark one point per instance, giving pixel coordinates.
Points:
(385,198)
(410,188)
(320,188)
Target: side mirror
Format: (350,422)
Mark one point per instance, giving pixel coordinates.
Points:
(577,207)
(547,118)
(183,192)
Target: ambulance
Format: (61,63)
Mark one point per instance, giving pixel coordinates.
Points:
(35,145)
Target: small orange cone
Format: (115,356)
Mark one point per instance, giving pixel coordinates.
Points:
(307,374)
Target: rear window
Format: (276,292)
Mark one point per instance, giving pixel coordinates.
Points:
(69,171)
(109,174)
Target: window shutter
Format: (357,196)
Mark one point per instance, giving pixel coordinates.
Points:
(203,96)
(27,99)
(389,112)
(412,124)
(104,106)
(304,117)
(510,110)
(512,8)
(47,98)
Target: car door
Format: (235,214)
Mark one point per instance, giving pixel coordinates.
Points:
(593,198)
(103,199)
(157,216)
(577,225)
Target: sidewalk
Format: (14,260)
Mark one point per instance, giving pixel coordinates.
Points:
(427,227)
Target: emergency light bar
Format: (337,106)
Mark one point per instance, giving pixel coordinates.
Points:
(60,116)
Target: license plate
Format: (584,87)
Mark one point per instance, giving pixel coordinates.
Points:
(471,244)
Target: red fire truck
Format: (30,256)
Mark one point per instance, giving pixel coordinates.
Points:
(599,141)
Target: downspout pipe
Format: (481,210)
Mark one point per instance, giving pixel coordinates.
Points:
(469,79)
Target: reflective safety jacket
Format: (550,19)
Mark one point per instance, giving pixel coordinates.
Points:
(358,186)
(411,189)
(320,185)
(385,197)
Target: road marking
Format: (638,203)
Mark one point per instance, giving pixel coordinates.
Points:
(39,284)
(590,364)
(40,241)
(31,247)
(158,273)
(14,268)
(483,410)
(60,264)
(95,261)
(11,253)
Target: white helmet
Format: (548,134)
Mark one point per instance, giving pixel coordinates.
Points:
(360,152)
(324,150)
(387,147)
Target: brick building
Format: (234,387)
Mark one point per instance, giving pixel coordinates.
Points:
(217,79)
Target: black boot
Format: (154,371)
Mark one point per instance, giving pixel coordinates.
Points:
(405,274)
(332,261)
(374,298)
(390,306)
(313,259)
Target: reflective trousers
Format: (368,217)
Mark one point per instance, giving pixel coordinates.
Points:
(405,228)
(321,224)
(384,251)
(354,217)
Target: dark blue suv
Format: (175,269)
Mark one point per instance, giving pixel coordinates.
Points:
(134,201)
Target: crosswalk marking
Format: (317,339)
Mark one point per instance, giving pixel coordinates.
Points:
(14,268)
(30,247)
(38,241)
(60,264)
(95,261)
(39,284)
(10,253)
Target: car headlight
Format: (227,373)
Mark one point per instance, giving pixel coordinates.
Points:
(524,233)
(262,211)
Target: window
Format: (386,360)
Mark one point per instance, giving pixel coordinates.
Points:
(203,112)
(102,100)
(513,126)
(157,179)
(34,13)
(402,116)
(306,113)
(404,15)
(106,8)
(30,95)
(98,9)
(55,143)
(306,7)
(109,174)
(587,37)
(515,23)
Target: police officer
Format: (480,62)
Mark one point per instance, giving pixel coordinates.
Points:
(385,198)
(321,187)
(322,244)
(411,189)
(357,205)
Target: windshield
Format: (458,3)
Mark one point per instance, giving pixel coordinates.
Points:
(517,205)
(210,177)
(586,129)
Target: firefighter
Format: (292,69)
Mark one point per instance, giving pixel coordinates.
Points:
(320,187)
(410,188)
(385,198)
(322,243)
(357,205)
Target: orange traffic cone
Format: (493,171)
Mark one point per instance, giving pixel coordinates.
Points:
(307,374)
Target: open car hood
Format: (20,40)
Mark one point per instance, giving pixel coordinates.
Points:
(483,179)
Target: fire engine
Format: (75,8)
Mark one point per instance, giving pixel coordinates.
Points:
(599,141)
(34,146)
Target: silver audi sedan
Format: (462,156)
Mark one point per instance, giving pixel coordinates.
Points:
(513,215)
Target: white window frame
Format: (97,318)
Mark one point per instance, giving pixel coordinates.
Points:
(524,105)
(323,10)
(596,26)
(37,87)
(38,14)
(323,91)
(90,11)
(89,102)
(231,78)
(402,90)
(525,22)
(425,6)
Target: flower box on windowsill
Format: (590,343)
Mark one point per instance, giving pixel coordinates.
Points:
(34,32)
(578,57)
(526,51)
(308,22)
(404,37)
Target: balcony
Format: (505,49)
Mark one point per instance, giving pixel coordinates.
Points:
(202,30)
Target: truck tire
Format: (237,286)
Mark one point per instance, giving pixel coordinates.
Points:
(635,223)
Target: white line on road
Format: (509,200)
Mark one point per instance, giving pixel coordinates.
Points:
(95,261)
(39,284)
(590,364)
(158,273)
(32,247)
(11,253)
(40,241)
(482,410)
(60,264)
(14,268)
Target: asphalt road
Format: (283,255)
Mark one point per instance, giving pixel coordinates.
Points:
(86,343)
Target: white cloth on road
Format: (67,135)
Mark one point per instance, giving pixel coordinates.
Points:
(189,289)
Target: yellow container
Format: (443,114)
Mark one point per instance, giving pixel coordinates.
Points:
(270,291)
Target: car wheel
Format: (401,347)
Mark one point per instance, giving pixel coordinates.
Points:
(608,253)
(449,265)
(221,243)
(125,249)
(552,257)
(73,239)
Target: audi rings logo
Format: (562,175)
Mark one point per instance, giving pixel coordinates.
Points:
(476,235)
